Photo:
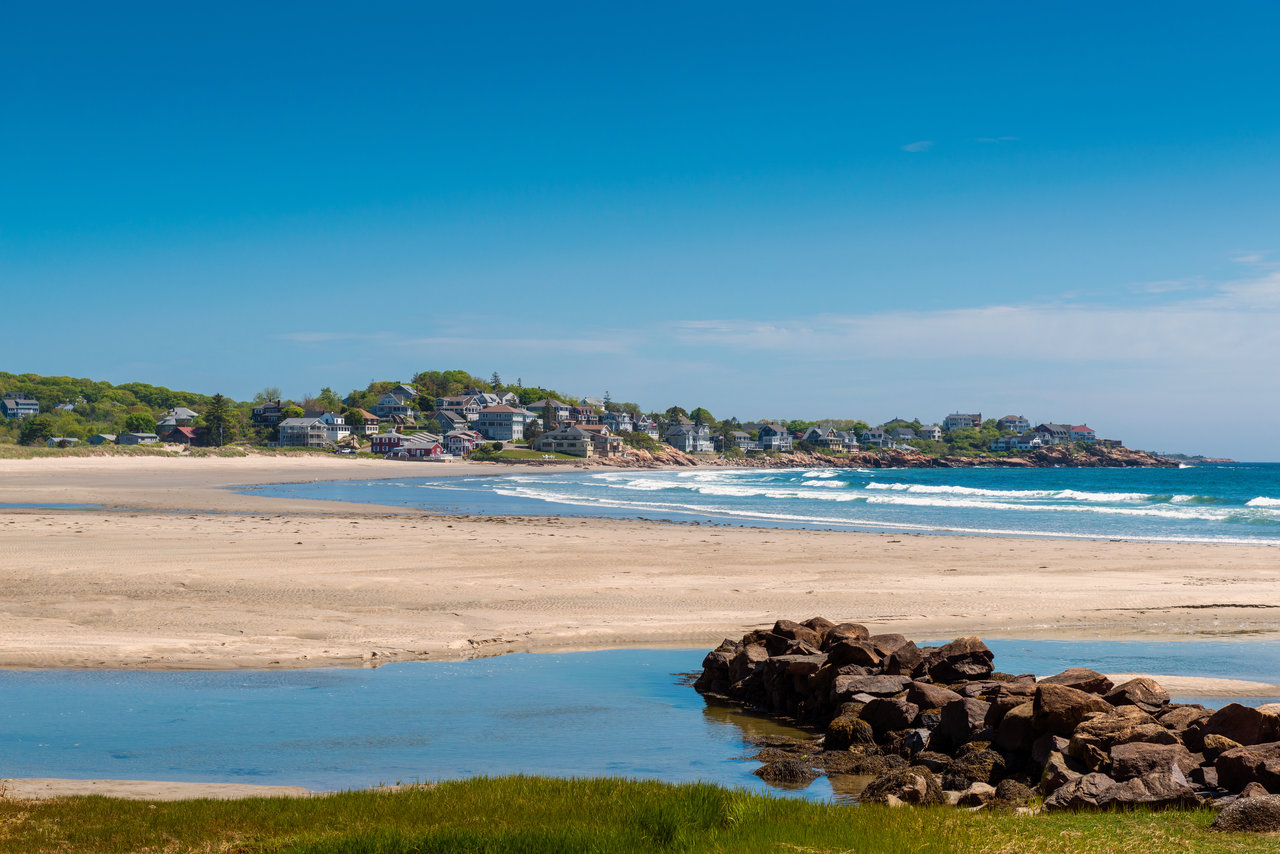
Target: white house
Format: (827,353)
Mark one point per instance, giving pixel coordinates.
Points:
(961,421)
(690,438)
(502,423)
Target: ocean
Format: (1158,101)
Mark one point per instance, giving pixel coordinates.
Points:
(1212,503)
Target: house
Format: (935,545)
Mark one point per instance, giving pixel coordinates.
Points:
(66,407)
(876,437)
(823,437)
(61,442)
(597,402)
(494,398)
(448,420)
(181,436)
(304,432)
(1005,443)
(407,393)
(567,439)
(103,439)
(370,426)
(336,426)
(461,442)
(618,422)
(962,421)
(583,415)
(1031,440)
(385,443)
(393,407)
(466,405)
(690,438)
(1013,424)
(419,446)
(904,434)
(774,437)
(739,439)
(648,426)
(502,423)
(17,404)
(932,432)
(182,416)
(604,443)
(269,413)
(137,439)
(1058,433)
(1083,433)
(560,411)
(848,440)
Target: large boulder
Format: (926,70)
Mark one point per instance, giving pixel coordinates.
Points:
(1243,724)
(851,651)
(787,773)
(715,678)
(1059,709)
(1137,759)
(976,766)
(797,632)
(1142,692)
(1250,815)
(746,661)
(928,696)
(844,631)
(1160,789)
(1121,725)
(1060,769)
(1252,763)
(847,687)
(1187,723)
(847,730)
(886,644)
(913,785)
(961,660)
(888,714)
(962,720)
(1016,731)
(1082,679)
(904,661)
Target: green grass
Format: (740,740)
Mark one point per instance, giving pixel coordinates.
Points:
(525,814)
(523,454)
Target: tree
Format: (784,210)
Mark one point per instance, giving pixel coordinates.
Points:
(496,381)
(292,412)
(532,429)
(328,400)
(139,422)
(218,424)
(354,417)
(36,430)
(267,395)
(702,416)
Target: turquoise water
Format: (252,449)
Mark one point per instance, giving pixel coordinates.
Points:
(609,713)
(1226,503)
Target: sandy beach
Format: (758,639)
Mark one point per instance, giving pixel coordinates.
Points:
(182,572)
(264,582)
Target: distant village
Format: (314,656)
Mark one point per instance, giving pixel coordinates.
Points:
(493,422)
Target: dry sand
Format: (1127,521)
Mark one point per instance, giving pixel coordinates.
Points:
(264,582)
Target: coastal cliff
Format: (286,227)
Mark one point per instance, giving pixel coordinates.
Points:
(1086,456)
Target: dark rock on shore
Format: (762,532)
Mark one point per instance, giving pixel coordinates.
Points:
(941,725)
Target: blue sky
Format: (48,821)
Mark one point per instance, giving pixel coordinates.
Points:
(1062,210)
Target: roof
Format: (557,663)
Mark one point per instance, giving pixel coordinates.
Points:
(300,422)
(501,407)
(1014,418)
(1082,428)
(189,432)
(368,416)
(183,412)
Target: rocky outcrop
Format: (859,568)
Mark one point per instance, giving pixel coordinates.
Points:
(940,724)
(1250,815)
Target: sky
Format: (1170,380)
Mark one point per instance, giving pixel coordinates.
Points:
(1069,211)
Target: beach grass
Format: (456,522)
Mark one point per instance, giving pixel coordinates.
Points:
(527,814)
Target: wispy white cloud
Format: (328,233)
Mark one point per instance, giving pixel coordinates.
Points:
(1254,257)
(916,147)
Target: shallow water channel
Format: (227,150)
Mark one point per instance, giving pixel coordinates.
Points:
(608,713)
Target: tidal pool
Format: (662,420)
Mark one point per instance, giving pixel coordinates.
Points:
(624,713)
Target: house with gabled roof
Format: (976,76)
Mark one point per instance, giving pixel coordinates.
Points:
(502,423)
(309,431)
(1059,433)
(962,421)
(419,446)
(774,437)
(180,436)
(18,404)
(690,438)
(739,439)
(137,439)
(618,422)
(459,443)
(103,439)
(823,437)
(560,410)
(1013,423)
(567,439)
(603,442)
(932,432)
(1083,433)
(392,407)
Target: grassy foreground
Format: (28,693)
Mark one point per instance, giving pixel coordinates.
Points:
(525,814)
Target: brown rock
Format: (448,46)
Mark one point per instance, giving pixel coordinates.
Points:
(1215,745)
(746,661)
(1243,724)
(981,766)
(1247,764)
(887,714)
(1012,793)
(845,631)
(1137,759)
(928,696)
(797,632)
(977,795)
(1142,692)
(821,625)
(914,785)
(1059,709)
(904,660)
(846,687)
(845,731)
(961,660)
(1059,770)
(850,651)
(1250,815)
(1100,792)
(962,720)
(1254,790)
(1082,679)
(788,773)
(1121,725)
(1016,731)
(888,643)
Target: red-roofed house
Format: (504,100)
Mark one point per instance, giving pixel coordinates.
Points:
(181,436)
(1083,433)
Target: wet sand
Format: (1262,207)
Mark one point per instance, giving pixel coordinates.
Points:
(266,582)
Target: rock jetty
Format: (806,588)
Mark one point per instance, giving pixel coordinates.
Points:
(933,725)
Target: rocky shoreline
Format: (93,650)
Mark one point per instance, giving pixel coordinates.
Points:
(1056,456)
(938,725)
